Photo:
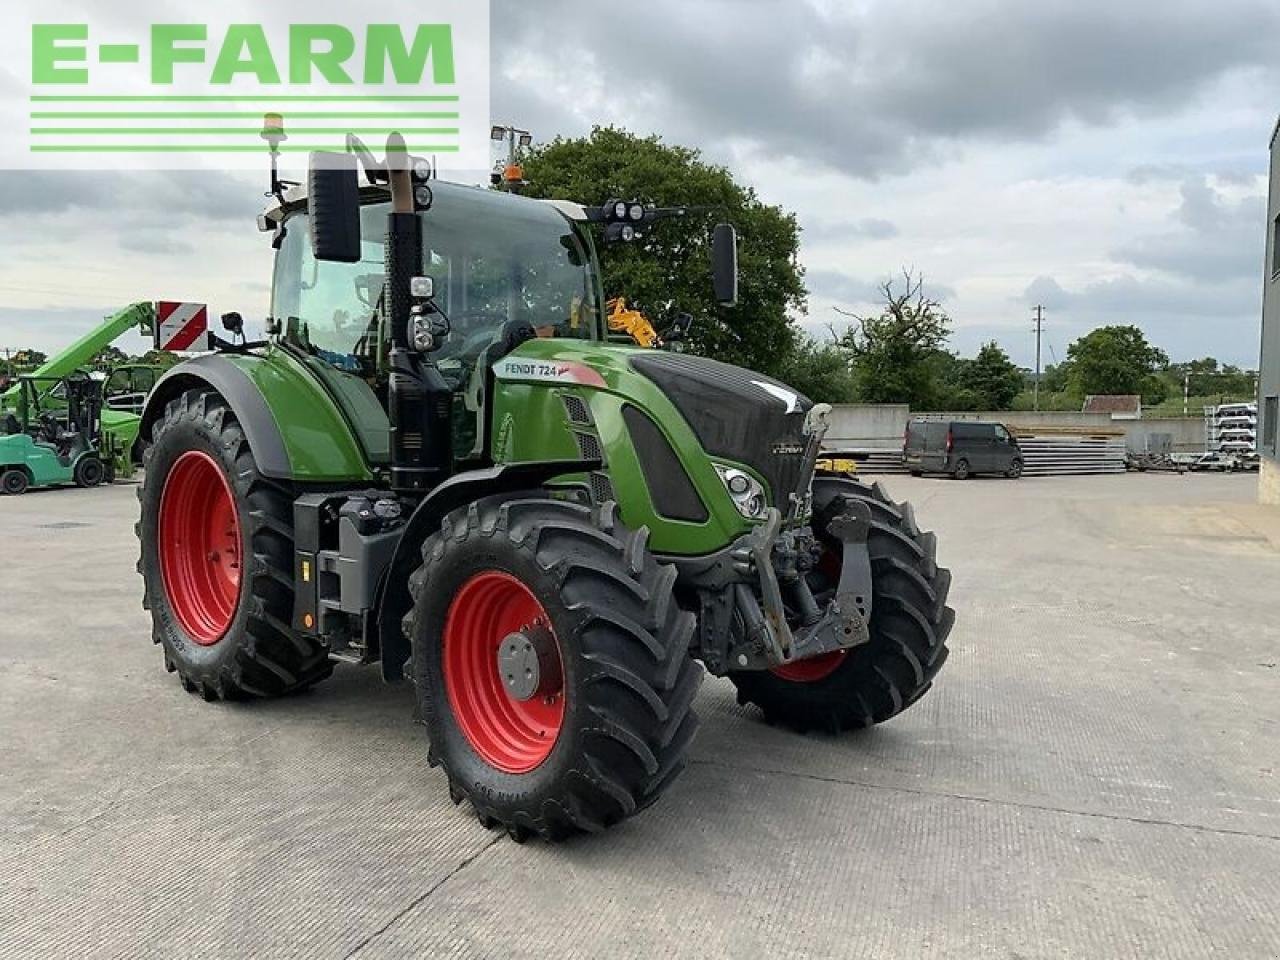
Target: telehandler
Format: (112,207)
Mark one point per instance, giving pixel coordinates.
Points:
(437,462)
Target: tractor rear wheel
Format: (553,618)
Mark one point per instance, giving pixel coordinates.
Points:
(552,665)
(910,621)
(217,559)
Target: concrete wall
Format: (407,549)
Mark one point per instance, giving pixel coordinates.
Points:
(871,425)
(1025,420)
(1187,433)
(880,426)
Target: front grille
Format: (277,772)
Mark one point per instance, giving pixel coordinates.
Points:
(601,487)
(588,446)
(576,408)
(670,489)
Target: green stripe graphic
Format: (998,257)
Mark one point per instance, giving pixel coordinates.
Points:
(288,98)
(217,115)
(209,148)
(236,131)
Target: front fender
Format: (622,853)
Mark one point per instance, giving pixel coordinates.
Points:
(459,490)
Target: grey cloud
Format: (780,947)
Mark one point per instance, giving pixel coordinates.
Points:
(1216,240)
(210,196)
(843,231)
(835,285)
(843,287)
(1181,317)
(882,89)
(154,242)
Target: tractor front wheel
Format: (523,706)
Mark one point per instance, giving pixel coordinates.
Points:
(909,624)
(552,665)
(217,559)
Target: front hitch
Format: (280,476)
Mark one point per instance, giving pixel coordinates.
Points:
(844,623)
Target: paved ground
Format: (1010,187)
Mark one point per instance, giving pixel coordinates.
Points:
(1095,774)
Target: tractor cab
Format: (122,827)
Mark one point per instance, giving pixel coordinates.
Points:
(503,270)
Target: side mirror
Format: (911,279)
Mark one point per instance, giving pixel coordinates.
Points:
(333,199)
(724,264)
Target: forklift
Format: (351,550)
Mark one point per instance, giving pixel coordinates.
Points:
(49,442)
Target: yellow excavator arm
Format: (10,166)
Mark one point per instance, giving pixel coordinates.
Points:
(633,323)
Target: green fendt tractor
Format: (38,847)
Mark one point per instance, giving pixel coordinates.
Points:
(437,462)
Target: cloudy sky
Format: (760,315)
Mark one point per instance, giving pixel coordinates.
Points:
(1104,159)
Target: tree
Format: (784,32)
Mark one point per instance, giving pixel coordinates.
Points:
(1117,360)
(993,378)
(669,269)
(110,356)
(24,361)
(1057,377)
(159,358)
(820,371)
(894,354)
(1207,378)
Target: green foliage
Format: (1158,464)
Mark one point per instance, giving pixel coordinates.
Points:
(1116,360)
(22,361)
(159,358)
(110,356)
(820,371)
(895,354)
(1061,400)
(1222,383)
(992,378)
(669,270)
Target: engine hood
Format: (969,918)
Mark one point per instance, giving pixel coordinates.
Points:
(737,414)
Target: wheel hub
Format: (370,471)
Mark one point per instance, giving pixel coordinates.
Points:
(528,663)
(502,672)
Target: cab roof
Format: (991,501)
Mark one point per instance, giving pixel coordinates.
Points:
(295,199)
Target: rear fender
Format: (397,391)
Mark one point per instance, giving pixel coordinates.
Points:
(294,427)
(244,398)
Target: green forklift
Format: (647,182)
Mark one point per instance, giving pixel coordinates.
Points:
(54,436)
(38,405)
(437,462)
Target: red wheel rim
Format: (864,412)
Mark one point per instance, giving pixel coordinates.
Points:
(200,558)
(515,736)
(811,670)
(822,666)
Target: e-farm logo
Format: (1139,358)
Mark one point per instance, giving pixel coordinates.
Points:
(195,93)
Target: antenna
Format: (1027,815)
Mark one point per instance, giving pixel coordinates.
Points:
(273,133)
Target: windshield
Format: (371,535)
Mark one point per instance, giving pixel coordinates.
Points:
(494,259)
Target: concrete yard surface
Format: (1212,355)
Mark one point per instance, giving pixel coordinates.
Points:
(1094,774)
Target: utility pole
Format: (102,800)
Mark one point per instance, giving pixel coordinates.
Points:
(1186,392)
(1039,333)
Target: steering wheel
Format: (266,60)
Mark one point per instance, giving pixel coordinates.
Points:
(471,333)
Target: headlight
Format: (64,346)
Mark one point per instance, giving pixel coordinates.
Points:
(745,491)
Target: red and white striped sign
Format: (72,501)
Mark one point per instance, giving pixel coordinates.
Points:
(179,325)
